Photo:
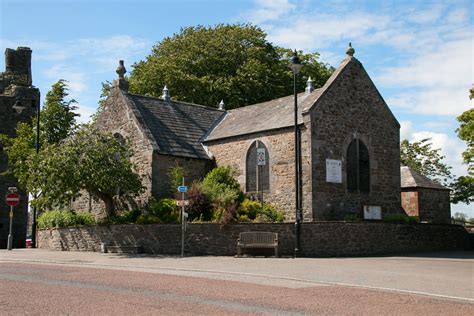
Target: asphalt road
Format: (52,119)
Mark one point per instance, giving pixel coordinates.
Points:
(55,283)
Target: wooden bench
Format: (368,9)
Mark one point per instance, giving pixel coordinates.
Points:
(257,240)
(131,249)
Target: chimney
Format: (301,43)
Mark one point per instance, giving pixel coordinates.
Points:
(309,86)
(222,105)
(166,95)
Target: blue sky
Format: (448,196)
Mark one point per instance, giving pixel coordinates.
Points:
(418,53)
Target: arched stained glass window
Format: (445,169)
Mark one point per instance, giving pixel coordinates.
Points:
(358,167)
(257,176)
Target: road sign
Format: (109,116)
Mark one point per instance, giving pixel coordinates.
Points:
(182,202)
(12,199)
(183,188)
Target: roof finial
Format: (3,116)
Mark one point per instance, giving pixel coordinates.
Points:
(121,70)
(222,105)
(121,82)
(309,86)
(350,51)
(166,95)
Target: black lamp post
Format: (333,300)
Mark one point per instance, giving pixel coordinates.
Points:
(33,224)
(296,65)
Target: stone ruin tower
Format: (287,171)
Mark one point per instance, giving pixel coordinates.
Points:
(19,100)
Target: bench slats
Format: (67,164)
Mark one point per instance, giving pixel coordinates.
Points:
(257,240)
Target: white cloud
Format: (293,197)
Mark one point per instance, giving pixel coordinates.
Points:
(425,16)
(267,10)
(406,130)
(451,148)
(323,30)
(76,79)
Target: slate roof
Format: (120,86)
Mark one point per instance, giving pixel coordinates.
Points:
(177,127)
(274,114)
(412,179)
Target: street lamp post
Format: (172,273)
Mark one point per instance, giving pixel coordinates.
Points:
(33,224)
(296,65)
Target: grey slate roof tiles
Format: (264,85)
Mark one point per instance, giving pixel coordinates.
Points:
(177,127)
(412,179)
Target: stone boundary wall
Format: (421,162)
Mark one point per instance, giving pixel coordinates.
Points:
(318,239)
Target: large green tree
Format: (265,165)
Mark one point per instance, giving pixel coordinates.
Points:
(463,187)
(57,122)
(89,160)
(234,63)
(420,156)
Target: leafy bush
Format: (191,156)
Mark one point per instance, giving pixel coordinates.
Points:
(128,217)
(165,210)
(254,211)
(223,191)
(352,218)
(200,208)
(148,219)
(269,214)
(175,176)
(51,219)
(401,218)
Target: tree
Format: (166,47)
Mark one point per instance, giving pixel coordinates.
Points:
(90,160)
(463,187)
(58,119)
(57,122)
(231,62)
(421,157)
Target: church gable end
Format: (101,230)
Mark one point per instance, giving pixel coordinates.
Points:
(351,111)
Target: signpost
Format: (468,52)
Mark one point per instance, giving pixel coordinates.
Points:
(12,199)
(184,216)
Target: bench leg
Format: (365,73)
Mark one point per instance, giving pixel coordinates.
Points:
(276,252)
(238,251)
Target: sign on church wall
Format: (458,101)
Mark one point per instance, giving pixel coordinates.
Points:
(372,212)
(261,161)
(333,171)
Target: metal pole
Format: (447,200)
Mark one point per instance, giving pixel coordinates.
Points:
(10,237)
(182,222)
(33,225)
(297,180)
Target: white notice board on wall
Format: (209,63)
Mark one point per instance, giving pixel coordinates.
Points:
(333,171)
(372,212)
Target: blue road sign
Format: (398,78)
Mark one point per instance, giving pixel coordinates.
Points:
(183,188)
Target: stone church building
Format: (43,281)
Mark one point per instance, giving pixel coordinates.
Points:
(349,140)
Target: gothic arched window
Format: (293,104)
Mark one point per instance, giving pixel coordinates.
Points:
(358,167)
(257,176)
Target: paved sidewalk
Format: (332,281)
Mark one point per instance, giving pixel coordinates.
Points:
(444,274)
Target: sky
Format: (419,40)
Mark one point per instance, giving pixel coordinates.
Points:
(419,54)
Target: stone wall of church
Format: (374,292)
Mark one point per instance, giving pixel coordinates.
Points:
(194,169)
(280,145)
(118,118)
(353,108)
(434,205)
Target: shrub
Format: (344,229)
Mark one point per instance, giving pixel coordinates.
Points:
(269,214)
(148,219)
(223,191)
(128,217)
(254,211)
(51,219)
(175,176)
(199,208)
(352,218)
(401,218)
(165,210)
